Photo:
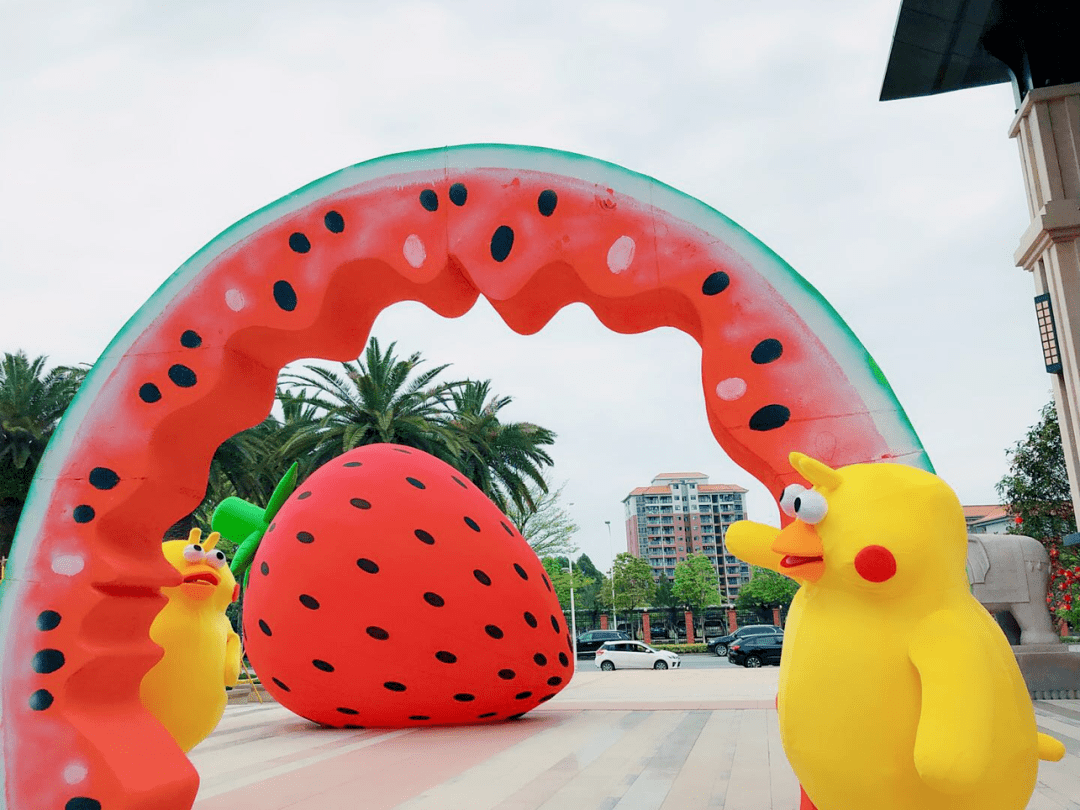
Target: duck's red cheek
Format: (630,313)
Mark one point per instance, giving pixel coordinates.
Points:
(875,564)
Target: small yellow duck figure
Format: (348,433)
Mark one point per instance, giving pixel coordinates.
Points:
(185,690)
(897,691)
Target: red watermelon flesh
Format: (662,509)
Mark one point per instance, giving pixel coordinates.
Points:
(390,591)
(532,230)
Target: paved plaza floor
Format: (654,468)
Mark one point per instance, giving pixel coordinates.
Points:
(686,739)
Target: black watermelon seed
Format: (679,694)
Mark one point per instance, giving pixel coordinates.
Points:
(352,464)
(545,698)
(530,619)
(394,686)
(182,376)
(309,602)
(459,482)
(770,417)
(82,803)
(41,700)
(540,659)
(190,339)
(564,660)
(472,524)
(555,623)
(501,242)
(304,495)
(546,583)
(368,565)
(299,243)
(554,680)
(264,568)
(716,283)
(520,571)
(148,392)
(103,478)
(767,351)
(424,537)
(481,577)
(464,697)
(434,599)
(547,201)
(378,633)
(46,661)
(419,717)
(487,714)
(48,620)
(83,513)
(346,710)
(494,631)
(305,537)
(265,627)
(429,199)
(458,194)
(416,483)
(522,695)
(281,685)
(446,657)
(360,503)
(516,716)
(507,674)
(334,222)
(285,295)
(509,531)
(325,666)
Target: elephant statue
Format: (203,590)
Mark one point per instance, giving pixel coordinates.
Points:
(1010,572)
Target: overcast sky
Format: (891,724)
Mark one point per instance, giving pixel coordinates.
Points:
(132,133)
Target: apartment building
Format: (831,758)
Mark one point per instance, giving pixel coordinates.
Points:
(681,514)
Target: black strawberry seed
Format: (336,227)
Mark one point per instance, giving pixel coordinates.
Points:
(494,631)
(419,717)
(459,482)
(325,666)
(472,524)
(424,537)
(265,569)
(434,599)
(299,243)
(305,537)
(501,243)
(429,199)
(148,392)
(272,527)
(458,194)
(516,716)
(46,661)
(546,583)
(716,283)
(284,295)
(507,674)
(48,620)
(481,577)
(182,376)
(352,464)
(281,685)
(83,513)
(530,619)
(555,624)
(190,339)
(520,571)
(545,698)
(82,803)
(540,659)
(564,660)
(416,483)
(265,628)
(368,565)
(351,725)
(464,697)
(770,417)
(41,700)
(555,680)
(446,657)
(377,633)
(487,714)
(402,450)
(509,531)
(310,602)
(360,503)
(394,686)
(522,695)
(334,222)
(346,710)
(304,495)
(767,351)
(546,202)
(103,478)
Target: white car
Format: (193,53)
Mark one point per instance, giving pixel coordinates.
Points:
(633,655)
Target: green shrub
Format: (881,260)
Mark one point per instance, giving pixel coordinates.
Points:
(681,649)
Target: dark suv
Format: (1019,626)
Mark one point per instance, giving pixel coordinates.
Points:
(588,643)
(753,651)
(719,646)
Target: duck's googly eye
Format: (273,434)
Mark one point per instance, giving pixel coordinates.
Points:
(787,498)
(194,553)
(811,506)
(216,559)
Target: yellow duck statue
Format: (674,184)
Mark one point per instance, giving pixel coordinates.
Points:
(897,690)
(185,690)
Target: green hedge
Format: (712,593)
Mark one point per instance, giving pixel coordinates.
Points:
(682,648)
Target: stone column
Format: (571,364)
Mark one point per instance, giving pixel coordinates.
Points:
(1047,130)
(689,627)
(646,630)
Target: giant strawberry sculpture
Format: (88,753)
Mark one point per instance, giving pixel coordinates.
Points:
(389,591)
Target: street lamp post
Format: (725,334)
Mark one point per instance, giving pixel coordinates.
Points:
(611,548)
(573,610)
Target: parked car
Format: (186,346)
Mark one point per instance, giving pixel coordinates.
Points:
(588,643)
(754,651)
(719,646)
(633,655)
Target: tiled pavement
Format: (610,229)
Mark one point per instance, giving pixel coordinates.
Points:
(688,739)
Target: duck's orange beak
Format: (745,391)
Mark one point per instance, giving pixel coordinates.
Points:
(801,551)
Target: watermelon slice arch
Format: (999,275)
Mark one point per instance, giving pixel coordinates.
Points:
(532,230)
